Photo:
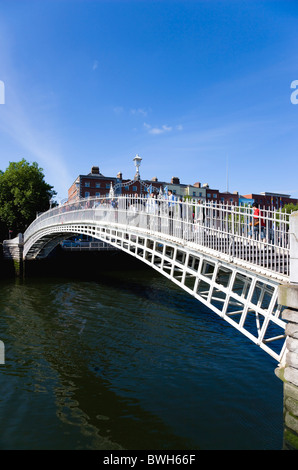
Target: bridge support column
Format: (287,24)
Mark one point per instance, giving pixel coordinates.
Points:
(288,372)
(13,250)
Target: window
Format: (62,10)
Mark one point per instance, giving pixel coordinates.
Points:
(108,186)
(193,193)
(97,185)
(87,194)
(134,188)
(87,185)
(209,195)
(214,195)
(97,194)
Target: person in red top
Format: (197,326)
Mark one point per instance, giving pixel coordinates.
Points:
(258,221)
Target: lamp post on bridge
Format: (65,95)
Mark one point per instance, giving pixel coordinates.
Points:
(137,161)
(114,190)
(137,178)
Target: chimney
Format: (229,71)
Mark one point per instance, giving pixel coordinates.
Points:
(175,180)
(119,176)
(95,170)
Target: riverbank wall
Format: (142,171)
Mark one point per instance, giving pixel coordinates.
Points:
(12,256)
(288,373)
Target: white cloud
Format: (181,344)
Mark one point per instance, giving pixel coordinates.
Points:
(161,130)
(156,131)
(140,111)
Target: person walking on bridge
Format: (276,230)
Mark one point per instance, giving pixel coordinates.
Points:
(171,203)
(258,222)
(151,209)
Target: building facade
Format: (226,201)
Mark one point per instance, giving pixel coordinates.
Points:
(95,184)
(270,200)
(229,198)
(183,191)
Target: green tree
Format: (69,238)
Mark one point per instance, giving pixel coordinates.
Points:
(288,208)
(23,193)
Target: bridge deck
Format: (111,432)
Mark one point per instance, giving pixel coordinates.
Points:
(221,228)
(208,250)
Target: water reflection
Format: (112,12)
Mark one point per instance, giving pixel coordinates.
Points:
(127,360)
(50,354)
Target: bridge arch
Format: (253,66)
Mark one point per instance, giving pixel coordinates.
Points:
(240,292)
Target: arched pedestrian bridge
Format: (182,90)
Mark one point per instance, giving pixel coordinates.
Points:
(208,250)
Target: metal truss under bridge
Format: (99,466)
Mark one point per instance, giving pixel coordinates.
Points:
(214,252)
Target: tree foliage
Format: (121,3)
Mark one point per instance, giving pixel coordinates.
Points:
(288,208)
(23,193)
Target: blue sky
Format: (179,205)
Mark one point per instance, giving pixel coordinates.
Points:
(199,89)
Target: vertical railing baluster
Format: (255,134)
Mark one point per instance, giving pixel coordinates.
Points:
(221,227)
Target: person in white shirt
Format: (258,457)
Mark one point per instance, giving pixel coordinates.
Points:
(171,202)
(151,209)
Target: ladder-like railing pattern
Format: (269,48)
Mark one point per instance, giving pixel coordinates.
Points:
(225,229)
(212,251)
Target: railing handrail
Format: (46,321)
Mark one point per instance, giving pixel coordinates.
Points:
(223,227)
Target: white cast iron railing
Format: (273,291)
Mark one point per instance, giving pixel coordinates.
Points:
(223,229)
(209,250)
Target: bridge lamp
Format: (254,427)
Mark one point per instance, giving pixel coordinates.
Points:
(137,161)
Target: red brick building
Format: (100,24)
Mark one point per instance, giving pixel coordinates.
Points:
(211,194)
(271,200)
(95,184)
(229,198)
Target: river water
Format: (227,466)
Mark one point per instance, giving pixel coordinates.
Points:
(110,355)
